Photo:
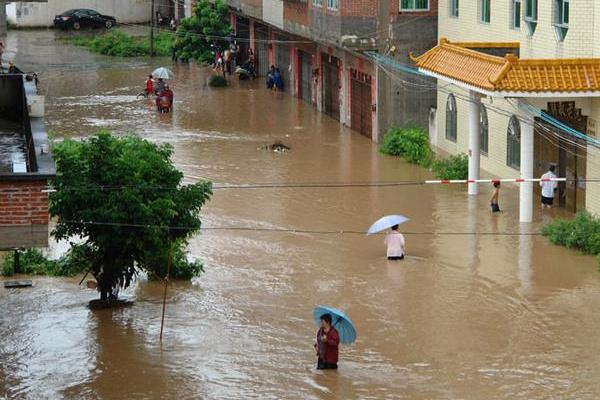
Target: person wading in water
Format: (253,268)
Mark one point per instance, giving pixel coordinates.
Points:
(395,244)
(328,340)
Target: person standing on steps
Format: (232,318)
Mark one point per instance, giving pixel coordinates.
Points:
(548,187)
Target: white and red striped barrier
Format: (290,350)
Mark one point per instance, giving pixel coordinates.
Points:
(511,180)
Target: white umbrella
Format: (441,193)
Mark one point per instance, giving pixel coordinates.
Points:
(163,73)
(386,222)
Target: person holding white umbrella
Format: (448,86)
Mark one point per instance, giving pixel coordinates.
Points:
(396,246)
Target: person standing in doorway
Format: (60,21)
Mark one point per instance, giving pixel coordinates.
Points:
(548,187)
(395,244)
(327,345)
(494,198)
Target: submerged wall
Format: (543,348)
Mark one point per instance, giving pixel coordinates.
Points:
(36,14)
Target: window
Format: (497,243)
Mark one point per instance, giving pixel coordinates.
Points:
(531,15)
(484,11)
(333,4)
(516,14)
(454,8)
(561,24)
(513,143)
(317,3)
(414,5)
(483,130)
(451,118)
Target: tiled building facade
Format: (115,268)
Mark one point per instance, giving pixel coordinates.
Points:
(551,34)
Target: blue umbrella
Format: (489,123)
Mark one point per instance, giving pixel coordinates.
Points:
(340,321)
(386,222)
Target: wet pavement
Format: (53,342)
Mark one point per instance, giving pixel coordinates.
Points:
(495,315)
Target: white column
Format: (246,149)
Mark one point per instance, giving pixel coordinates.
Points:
(474,145)
(526,188)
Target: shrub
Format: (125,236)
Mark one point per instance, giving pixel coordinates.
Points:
(581,233)
(410,143)
(454,167)
(120,44)
(217,81)
(181,267)
(33,262)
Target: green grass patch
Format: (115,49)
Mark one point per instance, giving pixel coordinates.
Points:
(581,233)
(412,144)
(120,44)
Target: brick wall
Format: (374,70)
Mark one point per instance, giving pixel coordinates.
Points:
(23,203)
(358,8)
(295,12)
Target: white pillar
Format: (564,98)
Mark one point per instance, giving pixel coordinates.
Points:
(526,188)
(474,145)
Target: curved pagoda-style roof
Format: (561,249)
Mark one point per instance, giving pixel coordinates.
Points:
(459,63)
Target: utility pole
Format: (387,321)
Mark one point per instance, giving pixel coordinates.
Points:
(152,31)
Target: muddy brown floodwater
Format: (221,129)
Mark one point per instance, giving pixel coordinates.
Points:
(464,316)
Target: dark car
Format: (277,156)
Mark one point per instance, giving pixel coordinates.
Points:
(83,18)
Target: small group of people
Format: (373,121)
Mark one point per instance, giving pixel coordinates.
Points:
(160,89)
(225,60)
(274,79)
(548,186)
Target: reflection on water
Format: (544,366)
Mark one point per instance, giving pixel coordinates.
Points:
(490,316)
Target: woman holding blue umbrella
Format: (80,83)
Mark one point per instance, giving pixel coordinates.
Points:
(334,327)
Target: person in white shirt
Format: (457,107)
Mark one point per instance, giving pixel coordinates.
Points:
(395,244)
(548,187)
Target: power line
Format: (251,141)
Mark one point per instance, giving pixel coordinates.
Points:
(293,230)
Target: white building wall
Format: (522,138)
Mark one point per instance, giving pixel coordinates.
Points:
(32,14)
(581,41)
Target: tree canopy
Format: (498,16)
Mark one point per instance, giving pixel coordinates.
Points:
(207,26)
(124,197)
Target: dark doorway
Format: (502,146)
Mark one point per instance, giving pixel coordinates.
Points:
(305,75)
(568,153)
(331,85)
(360,103)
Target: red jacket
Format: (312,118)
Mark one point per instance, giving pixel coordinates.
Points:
(331,346)
(149,86)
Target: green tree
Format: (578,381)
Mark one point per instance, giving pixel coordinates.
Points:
(124,198)
(208,26)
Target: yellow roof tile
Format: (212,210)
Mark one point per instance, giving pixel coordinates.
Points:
(509,73)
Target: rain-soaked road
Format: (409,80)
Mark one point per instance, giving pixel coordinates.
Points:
(463,317)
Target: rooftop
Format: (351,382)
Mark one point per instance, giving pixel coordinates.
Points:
(458,62)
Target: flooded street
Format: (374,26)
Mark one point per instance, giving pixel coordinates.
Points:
(502,314)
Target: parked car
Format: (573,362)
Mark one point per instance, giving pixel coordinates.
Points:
(83,18)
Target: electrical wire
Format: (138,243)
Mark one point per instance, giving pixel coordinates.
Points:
(292,230)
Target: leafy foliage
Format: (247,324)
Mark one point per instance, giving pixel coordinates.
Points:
(34,262)
(120,44)
(181,267)
(121,195)
(454,167)
(196,34)
(217,81)
(410,143)
(581,233)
